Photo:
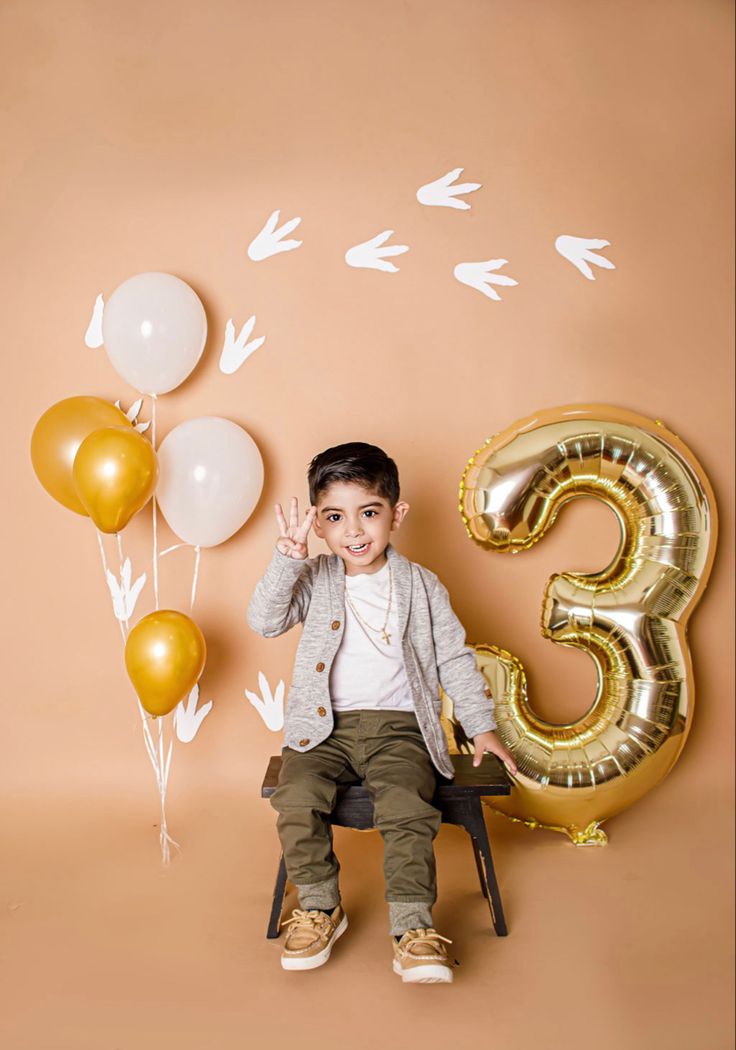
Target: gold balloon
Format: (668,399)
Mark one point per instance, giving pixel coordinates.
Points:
(164,656)
(115,473)
(631,617)
(57,437)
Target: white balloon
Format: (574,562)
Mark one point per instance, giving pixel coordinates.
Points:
(210,480)
(154,329)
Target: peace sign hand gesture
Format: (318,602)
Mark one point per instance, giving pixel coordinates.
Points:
(292,539)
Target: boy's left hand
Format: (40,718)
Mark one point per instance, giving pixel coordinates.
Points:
(490,742)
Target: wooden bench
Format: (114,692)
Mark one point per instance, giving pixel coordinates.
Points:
(459,801)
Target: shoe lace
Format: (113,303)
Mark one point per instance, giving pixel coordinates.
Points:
(311,919)
(424,936)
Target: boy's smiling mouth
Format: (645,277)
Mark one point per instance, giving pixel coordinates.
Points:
(359,548)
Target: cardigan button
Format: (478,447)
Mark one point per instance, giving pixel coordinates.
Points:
(303,743)
(335,624)
(488,692)
(320,666)
(321,712)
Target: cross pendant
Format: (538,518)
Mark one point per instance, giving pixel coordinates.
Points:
(386,637)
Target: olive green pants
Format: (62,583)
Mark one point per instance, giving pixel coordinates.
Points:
(386,750)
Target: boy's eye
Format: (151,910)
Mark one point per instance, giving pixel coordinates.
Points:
(334,516)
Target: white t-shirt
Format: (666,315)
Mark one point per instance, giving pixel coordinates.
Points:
(367,672)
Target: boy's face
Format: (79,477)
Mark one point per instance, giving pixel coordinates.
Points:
(351,516)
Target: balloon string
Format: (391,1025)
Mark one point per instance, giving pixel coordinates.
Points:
(174,548)
(195,576)
(124,629)
(105,571)
(161,770)
(164,837)
(197,551)
(153,504)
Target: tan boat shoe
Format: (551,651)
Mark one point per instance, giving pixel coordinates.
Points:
(311,936)
(420,957)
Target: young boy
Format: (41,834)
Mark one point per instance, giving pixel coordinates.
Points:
(379,637)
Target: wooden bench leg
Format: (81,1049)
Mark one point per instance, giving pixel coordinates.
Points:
(482,845)
(479,866)
(278,900)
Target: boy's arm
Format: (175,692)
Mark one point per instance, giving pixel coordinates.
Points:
(282,595)
(457,668)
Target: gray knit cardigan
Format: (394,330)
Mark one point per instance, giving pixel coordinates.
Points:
(312,591)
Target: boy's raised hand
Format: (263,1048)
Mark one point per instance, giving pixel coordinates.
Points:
(490,742)
(292,539)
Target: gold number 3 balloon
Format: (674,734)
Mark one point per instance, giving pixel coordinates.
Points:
(631,617)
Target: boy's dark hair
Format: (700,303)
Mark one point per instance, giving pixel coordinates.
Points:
(354,461)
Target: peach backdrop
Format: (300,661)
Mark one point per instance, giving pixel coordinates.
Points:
(160,137)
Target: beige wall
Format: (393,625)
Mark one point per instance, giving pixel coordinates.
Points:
(161,136)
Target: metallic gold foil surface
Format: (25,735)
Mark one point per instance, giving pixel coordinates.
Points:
(631,617)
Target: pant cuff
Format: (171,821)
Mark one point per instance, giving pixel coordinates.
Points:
(408,915)
(319,896)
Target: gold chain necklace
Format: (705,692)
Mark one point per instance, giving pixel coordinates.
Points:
(379,630)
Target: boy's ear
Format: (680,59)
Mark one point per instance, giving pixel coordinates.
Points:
(317,527)
(400,511)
